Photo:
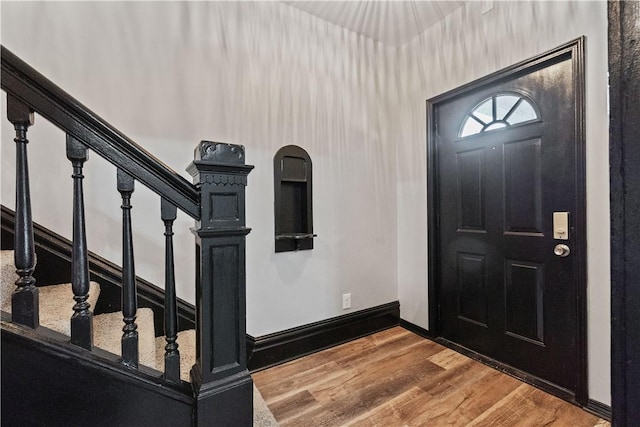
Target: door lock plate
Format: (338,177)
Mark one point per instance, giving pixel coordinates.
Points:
(561,225)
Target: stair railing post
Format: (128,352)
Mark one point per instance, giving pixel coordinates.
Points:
(24,300)
(82,319)
(168,213)
(130,355)
(222,385)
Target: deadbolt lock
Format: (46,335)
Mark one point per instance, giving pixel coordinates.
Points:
(562,250)
(561,225)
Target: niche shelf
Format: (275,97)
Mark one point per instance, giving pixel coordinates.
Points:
(292,177)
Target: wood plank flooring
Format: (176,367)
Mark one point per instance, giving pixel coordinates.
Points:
(396,378)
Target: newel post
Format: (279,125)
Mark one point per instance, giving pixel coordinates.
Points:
(222,385)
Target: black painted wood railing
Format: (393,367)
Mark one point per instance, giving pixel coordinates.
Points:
(172,354)
(222,386)
(130,355)
(24,301)
(82,319)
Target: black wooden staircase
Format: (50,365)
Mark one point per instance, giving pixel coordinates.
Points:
(49,378)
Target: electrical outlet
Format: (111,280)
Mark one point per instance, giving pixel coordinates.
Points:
(346,301)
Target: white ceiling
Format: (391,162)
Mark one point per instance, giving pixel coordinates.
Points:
(390,22)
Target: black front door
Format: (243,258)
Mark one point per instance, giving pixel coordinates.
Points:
(510,226)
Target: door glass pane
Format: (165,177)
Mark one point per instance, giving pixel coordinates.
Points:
(504,104)
(471,127)
(485,111)
(498,112)
(523,113)
(497,125)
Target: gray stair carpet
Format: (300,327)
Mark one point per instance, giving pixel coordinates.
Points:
(56,308)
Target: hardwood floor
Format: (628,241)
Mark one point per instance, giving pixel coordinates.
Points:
(396,378)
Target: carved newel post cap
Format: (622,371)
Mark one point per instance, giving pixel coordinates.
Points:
(219,152)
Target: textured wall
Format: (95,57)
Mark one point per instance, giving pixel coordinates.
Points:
(259,74)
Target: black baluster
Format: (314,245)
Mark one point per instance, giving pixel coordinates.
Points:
(171,355)
(82,319)
(24,300)
(129,294)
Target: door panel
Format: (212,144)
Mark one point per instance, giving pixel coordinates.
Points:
(472,288)
(471,199)
(502,290)
(522,184)
(524,300)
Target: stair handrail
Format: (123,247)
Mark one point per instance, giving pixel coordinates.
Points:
(60,108)
(220,380)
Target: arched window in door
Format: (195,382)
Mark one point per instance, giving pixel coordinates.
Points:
(498,112)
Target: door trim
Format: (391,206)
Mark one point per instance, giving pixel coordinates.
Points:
(574,50)
(624,153)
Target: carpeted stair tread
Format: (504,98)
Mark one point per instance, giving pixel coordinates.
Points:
(56,305)
(56,301)
(8,279)
(56,308)
(107,334)
(187,349)
(262,416)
